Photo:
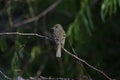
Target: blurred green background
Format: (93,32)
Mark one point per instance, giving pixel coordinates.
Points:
(92,28)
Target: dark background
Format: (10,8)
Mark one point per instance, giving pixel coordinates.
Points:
(92,28)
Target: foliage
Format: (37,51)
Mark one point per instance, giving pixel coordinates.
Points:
(92,28)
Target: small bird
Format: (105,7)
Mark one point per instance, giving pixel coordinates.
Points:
(59,38)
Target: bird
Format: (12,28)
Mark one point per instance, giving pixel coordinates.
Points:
(58,36)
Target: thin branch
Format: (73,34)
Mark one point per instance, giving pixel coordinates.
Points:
(79,62)
(33,78)
(79,59)
(25,34)
(5,76)
(38,16)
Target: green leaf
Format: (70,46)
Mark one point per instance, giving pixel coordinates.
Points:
(3,45)
(35,52)
(86,24)
(15,64)
(108,7)
(114,6)
(69,32)
(119,2)
(89,16)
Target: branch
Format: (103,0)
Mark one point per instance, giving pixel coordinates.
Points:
(33,78)
(38,16)
(81,60)
(25,34)
(5,76)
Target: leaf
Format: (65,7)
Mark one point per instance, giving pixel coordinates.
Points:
(104,9)
(89,18)
(69,32)
(3,45)
(86,24)
(108,7)
(35,51)
(119,2)
(115,5)
(15,65)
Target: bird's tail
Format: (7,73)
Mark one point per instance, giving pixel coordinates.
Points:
(58,52)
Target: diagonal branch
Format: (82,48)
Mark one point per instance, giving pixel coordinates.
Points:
(81,60)
(5,76)
(38,16)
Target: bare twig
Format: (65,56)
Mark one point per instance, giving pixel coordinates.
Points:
(38,16)
(25,34)
(79,59)
(72,48)
(5,76)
